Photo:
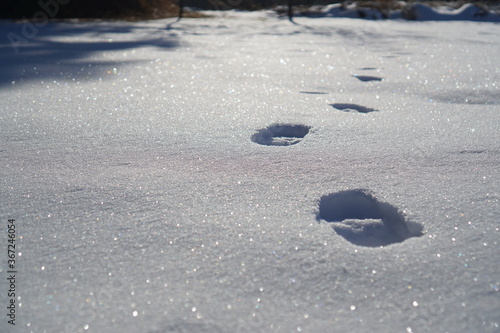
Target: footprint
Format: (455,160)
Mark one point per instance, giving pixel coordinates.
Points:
(314,92)
(347,107)
(466,151)
(280,135)
(363,220)
(368,68)
(367,78)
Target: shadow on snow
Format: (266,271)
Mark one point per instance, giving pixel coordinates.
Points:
(54,51)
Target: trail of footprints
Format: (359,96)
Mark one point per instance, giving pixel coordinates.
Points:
(357,215)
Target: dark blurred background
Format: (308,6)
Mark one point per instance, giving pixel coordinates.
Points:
(151,9)
(119,9)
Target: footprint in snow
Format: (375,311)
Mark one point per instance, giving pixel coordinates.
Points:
(314,92)
(367,78)
(359,217)
(280,135)
(348,107)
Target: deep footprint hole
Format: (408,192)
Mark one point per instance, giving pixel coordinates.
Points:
(280,134)
(367,78)
(349,107)
(362,219)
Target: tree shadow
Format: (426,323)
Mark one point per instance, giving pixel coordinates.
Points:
(58,50)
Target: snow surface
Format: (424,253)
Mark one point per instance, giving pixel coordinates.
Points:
(412,11)
(144,202)
(468,12)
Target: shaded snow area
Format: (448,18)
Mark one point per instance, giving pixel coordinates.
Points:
(410,11)
(241,173)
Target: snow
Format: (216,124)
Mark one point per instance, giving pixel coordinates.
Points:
(145,202)
(412,11)
(468,12)
(338,10)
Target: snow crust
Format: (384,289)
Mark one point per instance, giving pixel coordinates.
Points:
(142,204)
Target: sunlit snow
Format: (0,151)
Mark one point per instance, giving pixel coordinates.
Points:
(241,173)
